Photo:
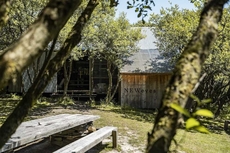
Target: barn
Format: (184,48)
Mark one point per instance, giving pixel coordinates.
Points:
(145,77)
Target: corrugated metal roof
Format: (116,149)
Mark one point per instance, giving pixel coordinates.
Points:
(148,59)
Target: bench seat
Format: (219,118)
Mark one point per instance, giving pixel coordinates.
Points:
(91,140)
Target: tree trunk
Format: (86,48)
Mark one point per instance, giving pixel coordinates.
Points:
(17,57)
(91,80)
(20,112)
(109,90)
(117,84)
(185,75)
(67,75)
(222,100)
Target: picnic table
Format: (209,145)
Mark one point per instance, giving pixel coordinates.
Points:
(33,130)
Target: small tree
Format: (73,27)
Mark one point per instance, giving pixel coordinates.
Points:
(113,40)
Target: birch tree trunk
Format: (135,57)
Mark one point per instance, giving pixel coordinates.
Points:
(185,75)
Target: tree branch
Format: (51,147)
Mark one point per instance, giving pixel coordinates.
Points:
(22,109)
(185,76)
(30,45)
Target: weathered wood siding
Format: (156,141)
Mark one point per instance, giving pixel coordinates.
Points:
(142,90)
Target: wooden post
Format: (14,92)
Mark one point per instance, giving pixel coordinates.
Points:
(226,125)
(114,137)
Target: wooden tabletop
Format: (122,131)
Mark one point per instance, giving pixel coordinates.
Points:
(41,128)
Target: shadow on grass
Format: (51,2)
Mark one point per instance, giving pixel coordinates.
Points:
(214,126)
(8,104)
(45,146)
(6,107)
(99,147)
(141,115)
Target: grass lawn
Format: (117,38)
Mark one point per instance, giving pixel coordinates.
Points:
(133,126)
(130,121)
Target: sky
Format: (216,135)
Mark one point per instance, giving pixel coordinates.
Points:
(132,16)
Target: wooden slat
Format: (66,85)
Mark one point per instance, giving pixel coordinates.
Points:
(89,141)
(44,120)
(29,127)
(142,90)
(30,131)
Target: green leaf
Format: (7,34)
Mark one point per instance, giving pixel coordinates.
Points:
(180,109)
(143,21)
(147,7)
(195,98)
(202,129)
(205,101)
(204,112)
(137,9)
(192,122)
(139,14)
(129,7)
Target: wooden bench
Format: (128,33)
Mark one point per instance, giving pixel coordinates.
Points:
(33,130)
(91,140)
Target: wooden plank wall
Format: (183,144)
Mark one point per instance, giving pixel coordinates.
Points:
(142,90)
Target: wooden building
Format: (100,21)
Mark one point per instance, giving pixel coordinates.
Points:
(82,81)
(145,78)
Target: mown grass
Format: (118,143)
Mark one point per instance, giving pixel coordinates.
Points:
(134,124)
(195,142)
(188,141)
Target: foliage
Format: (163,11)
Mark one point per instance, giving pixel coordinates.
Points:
(173,28)
(76,53)
(141,8)
(14,96)
(141,24)
(192,122)
(110,39)
(21,15)
(41,103)
(198,3)
(66,101)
